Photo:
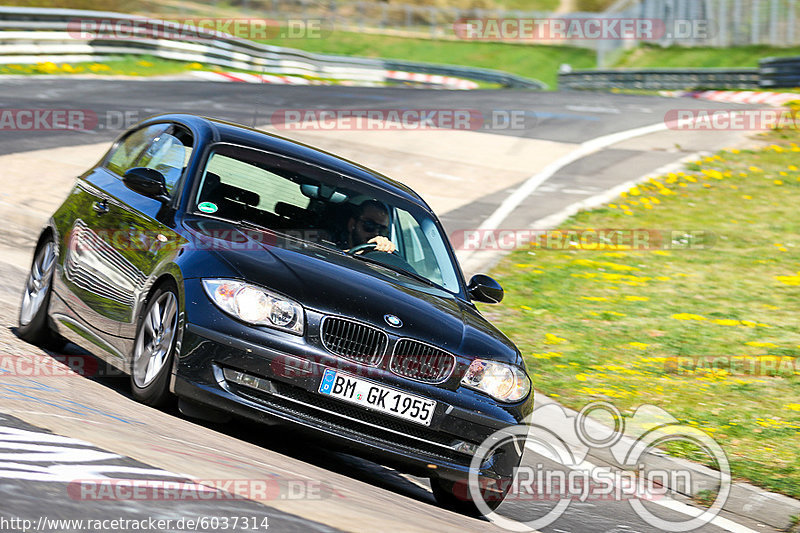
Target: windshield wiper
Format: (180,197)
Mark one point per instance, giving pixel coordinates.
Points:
(394,268)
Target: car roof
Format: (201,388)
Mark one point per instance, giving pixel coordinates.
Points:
(229,132)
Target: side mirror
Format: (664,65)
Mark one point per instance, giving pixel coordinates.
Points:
(482,288)
(146,181)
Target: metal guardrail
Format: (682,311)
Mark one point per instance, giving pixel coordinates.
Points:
(28,35)
(780,72)
(661,79)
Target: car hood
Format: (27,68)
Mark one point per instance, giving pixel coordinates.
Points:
(332,283)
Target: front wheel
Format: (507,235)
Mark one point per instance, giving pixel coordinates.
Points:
(154,348)
(34,325)
(455,496)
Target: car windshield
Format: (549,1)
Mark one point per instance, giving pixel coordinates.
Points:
(321,206)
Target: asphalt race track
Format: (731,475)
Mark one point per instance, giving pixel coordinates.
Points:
(57,429)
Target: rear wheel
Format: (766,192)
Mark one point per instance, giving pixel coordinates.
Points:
(34,325)
(154,348)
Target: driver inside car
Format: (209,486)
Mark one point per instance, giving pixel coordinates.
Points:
(370,224)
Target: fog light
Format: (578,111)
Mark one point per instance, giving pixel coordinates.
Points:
(248,380)
(464,447)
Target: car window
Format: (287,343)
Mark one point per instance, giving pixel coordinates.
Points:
(319,205)
(162,147)
(272,190)
(422,247)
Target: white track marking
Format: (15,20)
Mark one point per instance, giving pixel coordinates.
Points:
(589,147)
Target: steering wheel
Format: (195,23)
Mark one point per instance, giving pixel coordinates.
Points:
(366,247)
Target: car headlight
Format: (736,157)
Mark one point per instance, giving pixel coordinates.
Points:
(255,305)
(503,382)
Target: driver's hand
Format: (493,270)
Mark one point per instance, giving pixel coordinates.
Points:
(383,244)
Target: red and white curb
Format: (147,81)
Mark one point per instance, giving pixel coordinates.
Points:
(433,79)
(255,78)
(739,97)
(388,75)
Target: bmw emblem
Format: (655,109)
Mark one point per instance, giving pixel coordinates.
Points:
(393,321)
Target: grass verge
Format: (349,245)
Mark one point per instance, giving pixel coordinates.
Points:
(531,61)
(624,326)
(124,66)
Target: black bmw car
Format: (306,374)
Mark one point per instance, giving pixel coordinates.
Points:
(250,275)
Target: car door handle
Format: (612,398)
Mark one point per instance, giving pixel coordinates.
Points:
(101,207)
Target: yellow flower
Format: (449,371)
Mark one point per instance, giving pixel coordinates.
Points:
(612,206)
(793,168)
(525,307)
(726,322)
(194,65)
(549,338)
(762,344)
(638,345)
(755,169)
(144,63)
(789,280)
(547,355)
(792,406)
(747,197)
(777,182)
(48,67)
(688,316)
(637,298)
(735,151)
(581,377)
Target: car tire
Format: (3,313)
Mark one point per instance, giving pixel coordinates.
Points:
(157,336)
(34,322)
(454,495)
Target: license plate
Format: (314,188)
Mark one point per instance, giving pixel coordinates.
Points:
(377,397)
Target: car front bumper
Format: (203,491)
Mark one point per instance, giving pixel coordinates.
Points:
(283,376)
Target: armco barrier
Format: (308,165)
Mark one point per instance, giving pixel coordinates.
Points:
(31,35)
(780,72)
(658,79)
